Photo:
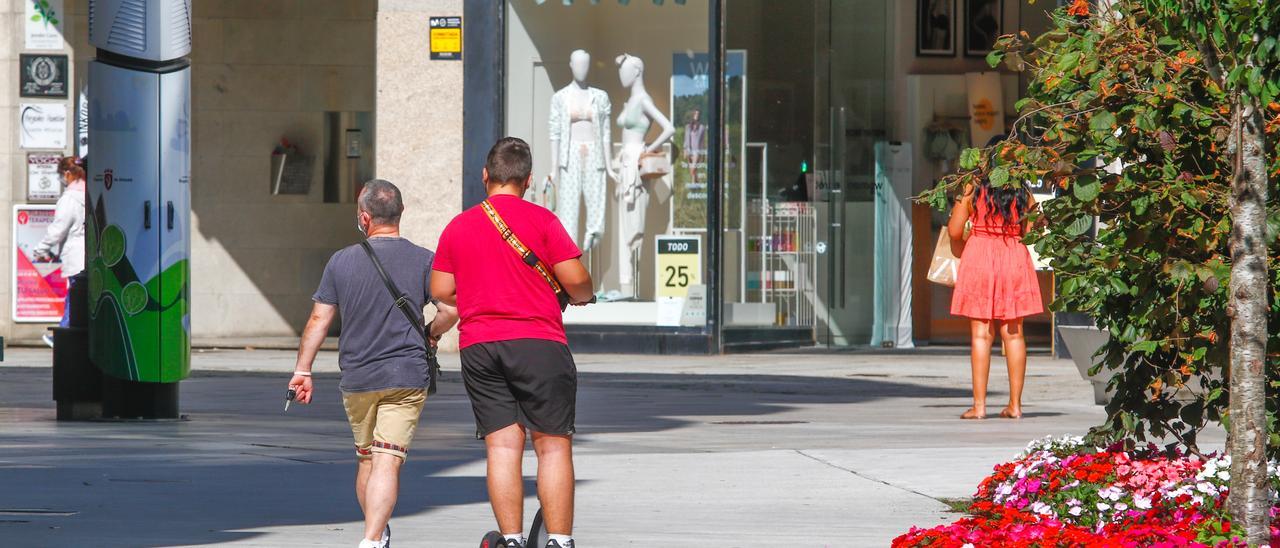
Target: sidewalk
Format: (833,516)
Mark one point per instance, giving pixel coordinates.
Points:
(799,449)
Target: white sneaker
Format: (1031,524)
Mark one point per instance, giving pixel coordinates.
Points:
(48,339)
(366,543)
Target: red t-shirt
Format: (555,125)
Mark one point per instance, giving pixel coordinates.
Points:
(500,298)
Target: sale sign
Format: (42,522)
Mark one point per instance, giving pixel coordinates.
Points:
(39,290)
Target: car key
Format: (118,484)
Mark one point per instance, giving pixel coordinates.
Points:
(288,398)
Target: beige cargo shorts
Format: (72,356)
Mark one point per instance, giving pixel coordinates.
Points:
(384,420)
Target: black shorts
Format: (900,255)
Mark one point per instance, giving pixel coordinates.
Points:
(532,382)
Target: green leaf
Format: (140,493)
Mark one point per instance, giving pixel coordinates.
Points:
(995,57)
(1080,226)
(999,176)
(36,18)
(1086,189)
(969,158)
(1146,347)
(1102,122)
(1068,62)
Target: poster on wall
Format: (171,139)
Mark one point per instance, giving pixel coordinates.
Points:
(42,75)
(935,28)
(39,290)
(42,177)
(982,26)
(986,106)
(690,82)
(43,24)
(42,126)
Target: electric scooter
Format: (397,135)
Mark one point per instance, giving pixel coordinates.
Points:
(537,535)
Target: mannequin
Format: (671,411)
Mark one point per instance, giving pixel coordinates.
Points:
(633,196)
(580,144)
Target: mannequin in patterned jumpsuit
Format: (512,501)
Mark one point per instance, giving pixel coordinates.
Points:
(580,144)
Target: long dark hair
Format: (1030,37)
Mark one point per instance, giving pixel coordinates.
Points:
(1009,202)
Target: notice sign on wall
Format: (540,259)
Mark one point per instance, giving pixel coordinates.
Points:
(43,75)
(42,178)
(39,290)
(446,38)
(43,24)
(42,125)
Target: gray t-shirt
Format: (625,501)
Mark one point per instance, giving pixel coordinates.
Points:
(378,349)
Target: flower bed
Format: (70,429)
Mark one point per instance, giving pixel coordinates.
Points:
(1064,493)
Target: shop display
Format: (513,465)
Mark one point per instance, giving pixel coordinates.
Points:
(891,315)
(580,140)
(632,191)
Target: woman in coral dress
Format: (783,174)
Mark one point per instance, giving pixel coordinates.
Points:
(996,284)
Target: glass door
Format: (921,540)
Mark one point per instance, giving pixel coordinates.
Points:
(814,109)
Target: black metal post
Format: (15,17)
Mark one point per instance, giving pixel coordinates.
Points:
(715,179)
(484,81)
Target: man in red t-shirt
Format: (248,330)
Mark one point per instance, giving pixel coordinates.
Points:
(516,362)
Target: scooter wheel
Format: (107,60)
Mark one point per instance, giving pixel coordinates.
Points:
(492,539)
(538,531)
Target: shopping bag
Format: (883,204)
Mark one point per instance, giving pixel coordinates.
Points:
(945,265)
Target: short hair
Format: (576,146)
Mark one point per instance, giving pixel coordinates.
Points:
(382,201)
(69,166)
(509,161)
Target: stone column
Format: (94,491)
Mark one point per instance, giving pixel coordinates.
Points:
(419,120)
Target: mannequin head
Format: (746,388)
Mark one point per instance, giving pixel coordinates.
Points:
(630,69)
(579,64)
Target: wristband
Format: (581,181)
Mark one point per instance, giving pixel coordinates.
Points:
(302,373)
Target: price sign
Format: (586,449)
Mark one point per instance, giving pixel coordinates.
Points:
(679,265)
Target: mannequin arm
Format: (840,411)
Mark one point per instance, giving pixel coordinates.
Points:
(606,137)
(656,115)
(555,121)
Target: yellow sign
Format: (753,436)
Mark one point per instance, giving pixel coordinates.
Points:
(679,265)
(446,38)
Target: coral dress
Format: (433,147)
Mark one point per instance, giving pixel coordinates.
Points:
(996,279)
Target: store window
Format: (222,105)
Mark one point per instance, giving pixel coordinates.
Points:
(613,98)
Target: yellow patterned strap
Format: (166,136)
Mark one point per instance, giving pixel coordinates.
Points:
(525,253)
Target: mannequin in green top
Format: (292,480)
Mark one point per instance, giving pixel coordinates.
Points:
(637,115)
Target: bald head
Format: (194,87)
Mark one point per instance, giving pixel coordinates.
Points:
(382,201)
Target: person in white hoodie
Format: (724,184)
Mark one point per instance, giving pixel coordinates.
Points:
(65,237)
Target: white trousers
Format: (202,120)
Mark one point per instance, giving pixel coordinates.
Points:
(633,205)
(582,180)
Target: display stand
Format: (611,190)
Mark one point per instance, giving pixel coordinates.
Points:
(787,258)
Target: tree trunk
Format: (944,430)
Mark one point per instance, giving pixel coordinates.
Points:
(1249,502)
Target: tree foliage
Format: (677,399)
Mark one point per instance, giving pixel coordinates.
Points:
(1123,118)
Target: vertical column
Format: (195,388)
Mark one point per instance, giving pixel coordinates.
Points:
(419,118)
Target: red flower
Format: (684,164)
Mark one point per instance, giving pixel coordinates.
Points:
(1079,8)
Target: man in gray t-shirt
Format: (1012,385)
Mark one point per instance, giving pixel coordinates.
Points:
(382,357)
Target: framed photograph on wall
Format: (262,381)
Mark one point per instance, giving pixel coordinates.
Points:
(982,26)
(936,28)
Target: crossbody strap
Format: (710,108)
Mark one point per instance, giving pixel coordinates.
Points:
(402,301)
(522,250)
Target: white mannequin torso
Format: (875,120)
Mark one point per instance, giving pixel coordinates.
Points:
(582,127)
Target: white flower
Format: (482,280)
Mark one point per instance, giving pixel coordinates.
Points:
(1075,511)
(1103,507)
(1142,503)
(1197,500)
(1122,506)
(967,545)
(1224,475)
